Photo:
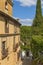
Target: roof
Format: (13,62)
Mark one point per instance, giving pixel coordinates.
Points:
(11,2)
(9,17)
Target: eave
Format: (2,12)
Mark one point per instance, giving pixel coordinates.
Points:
(9,17)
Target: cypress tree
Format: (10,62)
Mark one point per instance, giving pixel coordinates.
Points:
(37,31)
(38,19)
(38,9)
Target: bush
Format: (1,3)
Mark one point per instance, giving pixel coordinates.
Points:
(36,45)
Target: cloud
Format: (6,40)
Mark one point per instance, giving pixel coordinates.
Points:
(26,22)
(28,2)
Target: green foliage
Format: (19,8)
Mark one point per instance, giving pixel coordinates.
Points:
(25,36)
(37,26)
(38,9)
(37,45)
(37,61)
(25,47)
(25,33)
(37,31)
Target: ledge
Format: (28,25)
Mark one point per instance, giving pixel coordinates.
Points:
(6,35)
(9,17)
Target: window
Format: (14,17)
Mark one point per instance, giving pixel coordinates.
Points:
(15,29)
(3,45)
(6,5)
(6,26)
(4,51)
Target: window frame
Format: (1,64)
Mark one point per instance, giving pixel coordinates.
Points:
(4,50)
(6,5)
(6,26)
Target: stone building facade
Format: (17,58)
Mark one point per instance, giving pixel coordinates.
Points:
(9,35)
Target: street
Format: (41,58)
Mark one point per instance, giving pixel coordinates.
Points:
(26,61)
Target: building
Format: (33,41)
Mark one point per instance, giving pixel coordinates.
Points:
(9,35)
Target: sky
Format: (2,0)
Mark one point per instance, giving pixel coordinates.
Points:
(24,10)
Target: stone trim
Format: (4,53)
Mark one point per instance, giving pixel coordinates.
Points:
(6,35)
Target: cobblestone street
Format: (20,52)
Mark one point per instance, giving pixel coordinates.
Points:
(26,61)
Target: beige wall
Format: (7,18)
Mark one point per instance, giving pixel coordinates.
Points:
(2,7)
(2,25)
(12,57)
(11,28)
(9,9)
(9,60)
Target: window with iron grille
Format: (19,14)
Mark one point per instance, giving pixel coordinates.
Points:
(4,50)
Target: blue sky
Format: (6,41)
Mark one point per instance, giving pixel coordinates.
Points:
(25,10)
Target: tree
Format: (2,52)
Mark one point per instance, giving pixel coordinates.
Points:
(37,31)
(37,45)
(36,27)
(38,9)
(25,36)
(25,33)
